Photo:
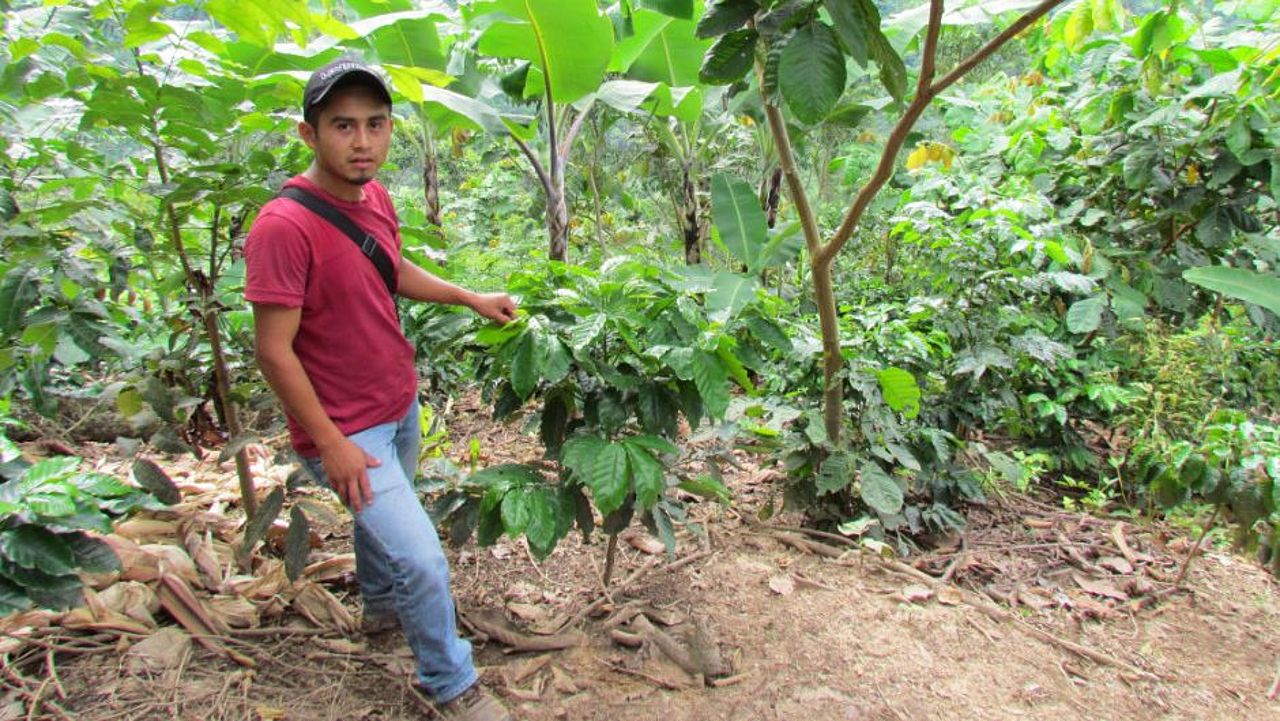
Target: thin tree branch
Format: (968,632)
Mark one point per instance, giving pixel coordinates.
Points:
(795,185)
(537,164)
(572,135)
(889,157)
(986,51)
(552,143)
(786,158)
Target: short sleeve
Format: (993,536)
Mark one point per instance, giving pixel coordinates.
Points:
(277,260)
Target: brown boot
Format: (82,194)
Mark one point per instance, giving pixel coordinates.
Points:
(475,704)
(373,624)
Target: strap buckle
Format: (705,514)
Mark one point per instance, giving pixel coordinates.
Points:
(368,245)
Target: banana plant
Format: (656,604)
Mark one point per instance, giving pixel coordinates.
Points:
(663,48)
(564,48)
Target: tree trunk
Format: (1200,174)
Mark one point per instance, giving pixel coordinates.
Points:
(557,222)
(690,227)
(773,197)
(431,185)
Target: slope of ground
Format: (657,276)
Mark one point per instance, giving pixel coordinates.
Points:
(797,627)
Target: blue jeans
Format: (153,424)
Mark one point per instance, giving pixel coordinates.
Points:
(400,565)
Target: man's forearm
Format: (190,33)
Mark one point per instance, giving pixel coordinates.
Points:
(287,378)
(418,284)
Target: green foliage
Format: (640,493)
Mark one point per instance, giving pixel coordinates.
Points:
(1239,283)
(568,42)
(1235,464)
(49,514)
(616,362)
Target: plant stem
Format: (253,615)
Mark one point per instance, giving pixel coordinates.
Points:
(208,314)
(1204,533)
(610,557)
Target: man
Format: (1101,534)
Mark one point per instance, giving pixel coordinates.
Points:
(329,343)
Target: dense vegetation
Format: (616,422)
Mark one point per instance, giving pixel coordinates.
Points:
(1066,278)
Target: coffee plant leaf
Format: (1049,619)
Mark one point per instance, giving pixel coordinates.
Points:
(878,489)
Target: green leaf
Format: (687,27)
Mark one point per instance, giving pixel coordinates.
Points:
(770,333)
(708,487)
(1084,316)
(524,369)
(36,548)
(729,58)
(297,544)
(856,21)
(580,453)
(554,422)
(100,485)
(657,409)
(515,512)
(893,72)
(129,402)
(92,555)
(156,481)
(654,443)
(1239,283)
(585,332)
(647,473)
(900,391)
(662,527)
(409,38)
(879,491)
(609,479)
(1138,166)
(712,382)
(12,598)
(675,8)
(836,473)
(811,72)
(505,476)
(543,529)
(733,292)
(18,293)
(735,208)
(663,50)
(724,16)
(50,506)
(569,41)
(553,358)
(266,514)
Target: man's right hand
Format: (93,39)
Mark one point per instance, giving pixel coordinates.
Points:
(345,465)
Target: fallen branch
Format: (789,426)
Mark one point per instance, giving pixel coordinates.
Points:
(656,680)
(1204,533)
(496,628)
(1274,693)
(669,646)
(805,545)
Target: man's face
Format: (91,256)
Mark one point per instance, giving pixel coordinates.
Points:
(351,135)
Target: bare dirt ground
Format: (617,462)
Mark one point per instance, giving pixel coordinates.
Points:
(1034,614)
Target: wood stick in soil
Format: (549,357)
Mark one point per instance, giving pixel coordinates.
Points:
(1204,533)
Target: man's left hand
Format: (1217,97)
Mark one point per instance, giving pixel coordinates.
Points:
(497,307)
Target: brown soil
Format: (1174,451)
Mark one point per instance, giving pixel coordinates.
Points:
(806,636)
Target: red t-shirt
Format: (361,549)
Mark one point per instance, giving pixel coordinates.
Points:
(349,339)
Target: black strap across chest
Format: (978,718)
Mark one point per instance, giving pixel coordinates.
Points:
(367,244)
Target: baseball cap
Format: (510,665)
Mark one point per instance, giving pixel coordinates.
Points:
(343,70)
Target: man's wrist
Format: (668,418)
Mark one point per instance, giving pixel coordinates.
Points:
(328,442)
